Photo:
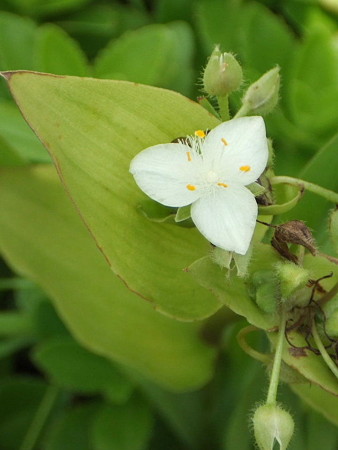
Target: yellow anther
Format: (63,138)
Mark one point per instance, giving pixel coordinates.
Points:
(191,187)
(189,156)
(222,184)
(245,168)
(225,142)
(200,133)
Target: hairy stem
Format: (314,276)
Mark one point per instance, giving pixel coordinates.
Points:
(223,103)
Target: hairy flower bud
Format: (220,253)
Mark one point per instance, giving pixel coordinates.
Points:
(262,96)
(222,75)
(291,278)
(272,423)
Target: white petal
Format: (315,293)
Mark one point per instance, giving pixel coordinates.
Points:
(227,217)
(164,171)
(238,143)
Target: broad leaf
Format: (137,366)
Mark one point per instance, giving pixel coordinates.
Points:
(58,53)
(42,236)
(94,129)
(143,56)
(74,368)
(125,427)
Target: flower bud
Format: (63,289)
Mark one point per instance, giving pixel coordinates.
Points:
(222,75)
(291,278)
(262,96)
(272,423)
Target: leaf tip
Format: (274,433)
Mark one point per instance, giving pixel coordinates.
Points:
(7,75)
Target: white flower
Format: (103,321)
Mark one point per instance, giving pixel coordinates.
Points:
(210,173)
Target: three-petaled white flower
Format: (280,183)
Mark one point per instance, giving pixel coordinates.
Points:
(210,172)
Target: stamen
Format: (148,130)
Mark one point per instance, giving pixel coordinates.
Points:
(245,168)
(191,187)
(225,142)
(200,133)
(222,184)
(189,156)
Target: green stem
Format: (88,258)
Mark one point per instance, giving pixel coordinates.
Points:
(323,192)
(246,347)
(274,380)
(40,418)
(223,103)
(326,357)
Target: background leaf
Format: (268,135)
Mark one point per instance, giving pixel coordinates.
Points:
(100,311)
(58,53)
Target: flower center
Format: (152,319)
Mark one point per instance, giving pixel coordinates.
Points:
(211,177)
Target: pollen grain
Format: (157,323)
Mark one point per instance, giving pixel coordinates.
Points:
(225,142)
(191,187)
(245,168)
(200,133)
(222,184)
(189,156)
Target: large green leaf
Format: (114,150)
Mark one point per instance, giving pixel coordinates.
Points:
(42,236)
(94,128)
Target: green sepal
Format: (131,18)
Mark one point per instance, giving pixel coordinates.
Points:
(183,213)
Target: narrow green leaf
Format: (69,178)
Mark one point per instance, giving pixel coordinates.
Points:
(20,397)
(94,129)
(54,249)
